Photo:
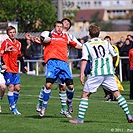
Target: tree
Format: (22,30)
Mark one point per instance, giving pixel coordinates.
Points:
(31,15)
(70,12)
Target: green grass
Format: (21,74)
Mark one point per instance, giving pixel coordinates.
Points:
(101,117)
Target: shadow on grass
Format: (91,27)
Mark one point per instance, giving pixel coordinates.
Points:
(47,116)
(5,113)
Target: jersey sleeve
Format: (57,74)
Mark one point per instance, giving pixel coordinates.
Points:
(74,39)
(71,42)
(112,50)
(4,45)
(85,52)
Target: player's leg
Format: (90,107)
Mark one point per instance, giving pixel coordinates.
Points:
(83,106)
(46,96)
(63,99)
(123,104)
(12,79)
(11,100)
(40,97)
(40,100)
(70,94)
(90,87)
(66,75)
(111,84)
(108,95)
(16,93)
(16,82)
(2,91)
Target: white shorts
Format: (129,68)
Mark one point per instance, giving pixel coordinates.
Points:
(2,80)
(106,81)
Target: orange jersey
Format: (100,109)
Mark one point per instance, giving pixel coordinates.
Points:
(57,48)
(131,58)
(10,57)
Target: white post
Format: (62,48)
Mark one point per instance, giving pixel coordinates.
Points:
(37,73)
(70,65)
(120,69)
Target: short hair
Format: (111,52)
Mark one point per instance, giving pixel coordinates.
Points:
(57,22)
(10,28)
(94,31)
(107,37)
(68,21)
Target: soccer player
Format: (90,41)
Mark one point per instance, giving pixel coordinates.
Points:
(70,93)
(99,52)
(56,58)
(130,54)
(3,67)
(11,51)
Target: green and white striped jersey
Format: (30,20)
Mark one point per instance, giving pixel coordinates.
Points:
(99,52)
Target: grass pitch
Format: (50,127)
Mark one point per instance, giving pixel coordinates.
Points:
(101,117)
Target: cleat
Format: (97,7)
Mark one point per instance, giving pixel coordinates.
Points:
(130,119)
(38,107)
(42,112)
(0,109)
(15,111)
(66,113)
(62,112)
(70,109)
(76,121)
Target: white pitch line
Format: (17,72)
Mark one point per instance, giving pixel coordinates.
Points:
(77,99)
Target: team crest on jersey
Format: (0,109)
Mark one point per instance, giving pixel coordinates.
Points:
(8,80)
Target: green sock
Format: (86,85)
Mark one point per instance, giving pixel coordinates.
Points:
(63,98)
(40,102)
(123,104)
(82,108)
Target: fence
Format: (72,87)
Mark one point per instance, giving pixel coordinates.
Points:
(70,62)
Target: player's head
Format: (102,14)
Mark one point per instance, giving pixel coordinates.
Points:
(108,38)
(66,23)
(58,27)
(94,31)
(11,32)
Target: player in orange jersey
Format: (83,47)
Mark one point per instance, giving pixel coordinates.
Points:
(56,57)
(62,87)
(11,51)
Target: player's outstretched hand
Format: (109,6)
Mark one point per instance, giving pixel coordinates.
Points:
(28,36)
(82,79)
(37,40)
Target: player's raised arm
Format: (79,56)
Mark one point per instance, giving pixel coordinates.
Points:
(82,69)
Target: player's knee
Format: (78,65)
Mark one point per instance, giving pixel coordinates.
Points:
(48,86)
(11,87)
(3,87)
(17,88)
(49,82)
(69,83)
(62,87)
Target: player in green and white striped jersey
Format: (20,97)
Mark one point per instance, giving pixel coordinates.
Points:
(99,52)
